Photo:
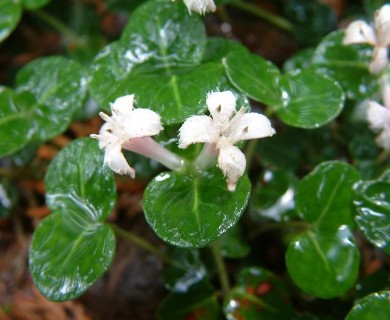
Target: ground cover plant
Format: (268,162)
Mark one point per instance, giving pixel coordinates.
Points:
(195,159)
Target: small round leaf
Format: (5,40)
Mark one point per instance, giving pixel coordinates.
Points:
(10,13)
(373,307)
(324,264)
(192,211)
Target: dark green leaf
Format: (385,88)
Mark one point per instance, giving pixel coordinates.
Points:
(373,205)
(16,124)
(373,307)
(347,64)
(59,87)
(324,264)
(10,13)
(233,244)
(186,271)
(122,5)
(324,197)
(253,75)
(258,295)
(309,99)
(72,247)
(192,211)
(300,60)
(8,198)
(198,303)
(219,48)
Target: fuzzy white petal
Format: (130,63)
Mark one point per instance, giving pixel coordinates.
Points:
(251,125)
(382,25)
(123,106)
(377,115)
(197,129)
(222,106)
(379,60)
(142,123)
(232,162)
(359,32)
(114,158)
(200,6)
(383,138)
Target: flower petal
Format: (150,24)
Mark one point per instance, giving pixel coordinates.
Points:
(222,106)
(142,123)
(384,138)
(114,158)
(359,32)
(377,115)
(123,106)
(232,162)
(245,126)
(197,129)
(379,60)
(200,6)
(382,25)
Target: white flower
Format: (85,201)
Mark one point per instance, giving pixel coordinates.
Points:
(379,118)
(200,6)
(360,32)
(125,124)
(223,130)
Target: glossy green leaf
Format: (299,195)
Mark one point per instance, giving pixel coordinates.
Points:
(324,197)
(34,4)
(199,303)
(300,60)
(16,123)
(373,205)
(273,195)
(324,264)
(187,270)
(373,307)
(218,48)
(309,99)
(158,59)
(59,87)
(347,64)
(258,295)
(10,13)
(72,247)
(192,211)
(233,244)
(253,75)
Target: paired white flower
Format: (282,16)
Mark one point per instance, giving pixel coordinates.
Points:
(126,125)
(379,116)
(200,6)
(223,130)
(378,37)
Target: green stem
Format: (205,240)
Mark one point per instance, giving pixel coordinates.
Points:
(56,24)
(249,151)
(264,14)
(138,241)
(221,268)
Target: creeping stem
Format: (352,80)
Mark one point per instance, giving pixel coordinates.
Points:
(221,268)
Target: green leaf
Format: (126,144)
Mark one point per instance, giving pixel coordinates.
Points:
(187,271)
(218,48)
(253,75)
(10,13)
(324,264)
(192,211)
(34,4)
(158,59)
(309,99)
(16,124)
(347,64)
(72,247)
(59,87)
(373,307)
(258,295)
(198,303)
(300,60)
(8,198)
(324,196)
(233,244)
(373,206)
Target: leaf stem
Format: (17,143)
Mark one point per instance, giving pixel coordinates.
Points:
(221,267)
(249,152)
(264,14)
(58,25)
(138,241)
